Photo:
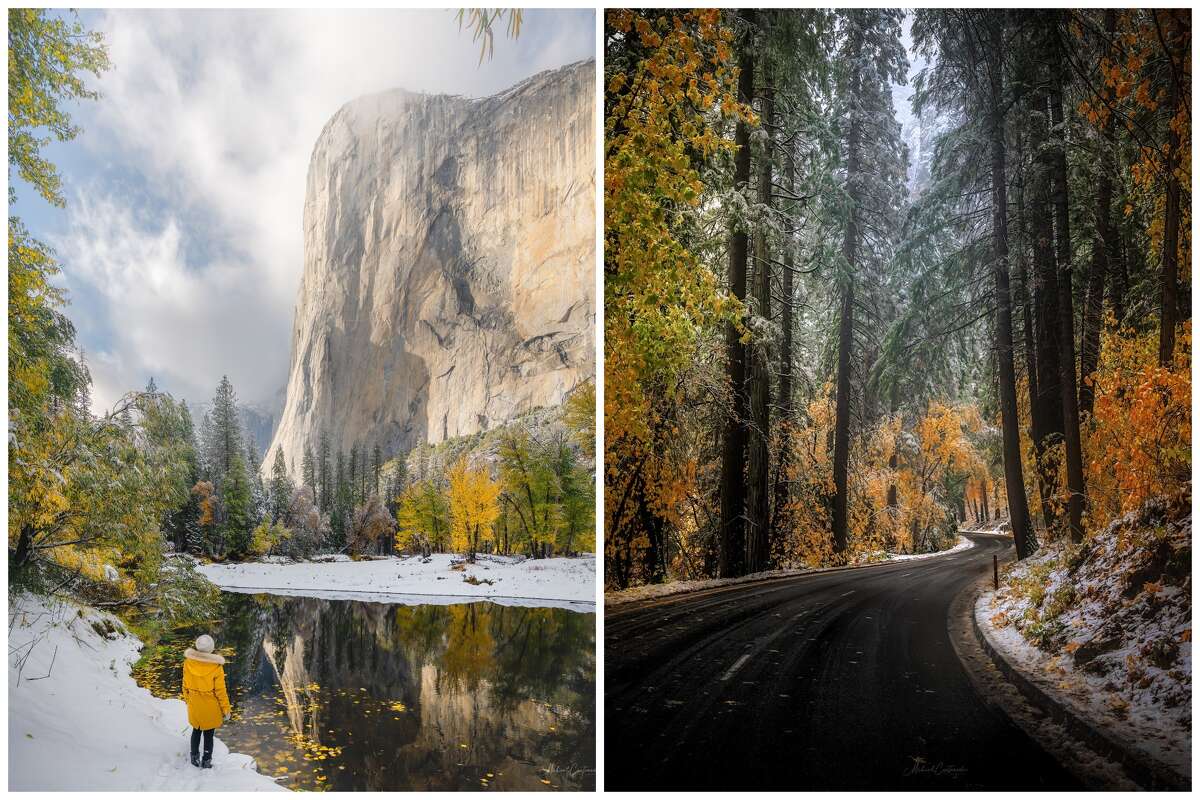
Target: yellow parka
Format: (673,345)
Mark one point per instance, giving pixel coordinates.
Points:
(204,689)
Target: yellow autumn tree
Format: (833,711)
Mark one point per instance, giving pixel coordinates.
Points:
(669,88)
(474,506)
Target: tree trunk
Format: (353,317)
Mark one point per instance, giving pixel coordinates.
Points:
(1066,312)
(1014,481)
(850,245)
(1047,412)
(987,512)
(1102,247)
(781,519)
(1120,276)
(1169,308)
(758,495)
(733,453)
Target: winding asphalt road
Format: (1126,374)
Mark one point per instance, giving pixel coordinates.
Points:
(838,680)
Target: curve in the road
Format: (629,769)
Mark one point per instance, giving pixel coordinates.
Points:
(836,680)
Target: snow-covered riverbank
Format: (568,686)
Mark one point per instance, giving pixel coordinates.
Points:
(561,582)
(77,721)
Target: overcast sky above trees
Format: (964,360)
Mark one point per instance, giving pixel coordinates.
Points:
(181,241)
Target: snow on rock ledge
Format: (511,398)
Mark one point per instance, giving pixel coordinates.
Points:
(77,721)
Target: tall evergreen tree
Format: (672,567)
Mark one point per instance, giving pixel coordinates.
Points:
(325,479)
(308,469)
(224,439)
(281,488)
(238,501)
(732,538)
(873,59)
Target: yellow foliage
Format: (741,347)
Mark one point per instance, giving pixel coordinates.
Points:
(662,120)
(474,506)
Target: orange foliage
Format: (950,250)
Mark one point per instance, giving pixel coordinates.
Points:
(1138,442)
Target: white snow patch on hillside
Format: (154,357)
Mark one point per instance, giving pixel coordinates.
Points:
(562,582)
(656,590)
(77,721)
(1113,619)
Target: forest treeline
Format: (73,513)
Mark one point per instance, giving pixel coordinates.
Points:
(825,339)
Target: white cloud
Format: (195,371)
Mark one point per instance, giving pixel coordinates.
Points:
(211,117)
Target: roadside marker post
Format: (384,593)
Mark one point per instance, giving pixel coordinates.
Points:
(995,572)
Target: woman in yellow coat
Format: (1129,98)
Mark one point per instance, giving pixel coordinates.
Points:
(205,695)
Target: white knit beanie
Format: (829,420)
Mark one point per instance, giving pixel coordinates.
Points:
(204,643)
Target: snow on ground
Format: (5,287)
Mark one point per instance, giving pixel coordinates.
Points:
(651,591)
(562,582)
(1107,626)
(963,544)
(77,721)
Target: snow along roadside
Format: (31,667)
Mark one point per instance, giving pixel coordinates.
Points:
(549,582)
(77,721)
(1144,729)
(654,591)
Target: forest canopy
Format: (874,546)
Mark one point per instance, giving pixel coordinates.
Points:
(837,328)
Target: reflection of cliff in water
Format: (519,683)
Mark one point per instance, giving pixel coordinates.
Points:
(429,697)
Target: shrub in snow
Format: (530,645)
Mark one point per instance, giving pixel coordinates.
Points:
(182,596)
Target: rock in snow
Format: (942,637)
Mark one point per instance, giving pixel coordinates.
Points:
(77,721)
(449,257)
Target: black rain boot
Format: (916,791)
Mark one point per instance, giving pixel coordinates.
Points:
(207,762)
(195,759)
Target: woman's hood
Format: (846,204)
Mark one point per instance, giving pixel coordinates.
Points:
(204,658)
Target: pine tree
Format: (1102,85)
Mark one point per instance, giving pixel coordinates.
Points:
(324,478)
(732,538)
(308,469)
(874,59)
(352,477)
(223,433)
(238,502)
(281,489)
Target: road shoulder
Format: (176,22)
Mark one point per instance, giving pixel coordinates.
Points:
(1098,757)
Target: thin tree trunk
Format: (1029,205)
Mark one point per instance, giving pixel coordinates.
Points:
(733,453)
(1169,307)
(1047,411)
(758,496)
(1120,276)
(1066,312)
(1102,247)
(781,520)
(1014,481)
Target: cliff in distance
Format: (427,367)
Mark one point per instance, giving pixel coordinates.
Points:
(449,257)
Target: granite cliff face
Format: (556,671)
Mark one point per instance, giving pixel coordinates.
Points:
(449,256)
